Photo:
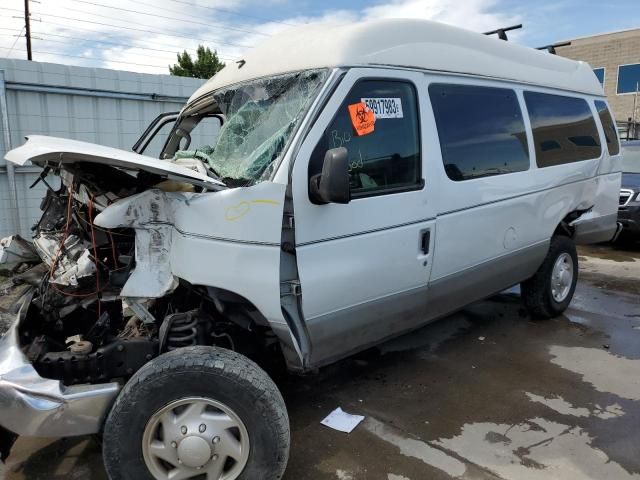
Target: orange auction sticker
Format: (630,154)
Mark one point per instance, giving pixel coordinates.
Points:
(362,118)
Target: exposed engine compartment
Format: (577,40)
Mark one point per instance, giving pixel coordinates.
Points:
(79,329)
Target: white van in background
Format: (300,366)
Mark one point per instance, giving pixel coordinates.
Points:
(365,180)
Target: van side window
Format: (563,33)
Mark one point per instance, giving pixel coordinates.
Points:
(387,159)
(481,130)
(564,129)
(609,127)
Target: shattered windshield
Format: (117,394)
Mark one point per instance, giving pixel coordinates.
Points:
(260,117)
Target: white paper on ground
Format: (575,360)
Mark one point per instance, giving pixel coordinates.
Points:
(342,421)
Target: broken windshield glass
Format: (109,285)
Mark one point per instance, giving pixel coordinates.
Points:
(260,117)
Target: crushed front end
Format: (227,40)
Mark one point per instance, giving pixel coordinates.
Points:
(70,338)
(32,405)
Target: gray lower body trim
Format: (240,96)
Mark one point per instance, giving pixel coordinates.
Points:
(339,334)
(453,292)
(595,230)
(343,333)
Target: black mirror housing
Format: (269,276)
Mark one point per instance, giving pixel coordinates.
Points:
(332,185)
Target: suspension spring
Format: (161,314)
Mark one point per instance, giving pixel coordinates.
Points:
(183,329)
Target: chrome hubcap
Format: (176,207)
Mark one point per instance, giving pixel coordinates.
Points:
(195,437)
(562,277)
(194,452)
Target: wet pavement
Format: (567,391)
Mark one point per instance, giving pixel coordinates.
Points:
(483,394)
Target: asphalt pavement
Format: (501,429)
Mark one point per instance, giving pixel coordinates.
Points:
(482,394)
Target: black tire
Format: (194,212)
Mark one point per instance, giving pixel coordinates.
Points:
(209,372)
(537,291)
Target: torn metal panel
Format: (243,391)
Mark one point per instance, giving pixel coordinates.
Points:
(150,213)
(139,310)
(15,251)
(72,260)
(206,239)
(41,150)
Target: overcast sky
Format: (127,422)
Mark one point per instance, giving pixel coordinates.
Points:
(144,35)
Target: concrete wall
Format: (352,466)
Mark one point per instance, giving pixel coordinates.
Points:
(96,105)
(609,51)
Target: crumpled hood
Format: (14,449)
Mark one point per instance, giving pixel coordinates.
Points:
(41,149)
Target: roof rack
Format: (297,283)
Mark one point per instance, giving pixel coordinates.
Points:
(502,35)
(552,48)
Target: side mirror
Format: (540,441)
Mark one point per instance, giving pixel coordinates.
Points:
(332,185)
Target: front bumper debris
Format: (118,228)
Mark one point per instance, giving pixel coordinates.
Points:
(34,406)
(15,251)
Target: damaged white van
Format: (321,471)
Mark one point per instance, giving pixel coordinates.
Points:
(364,180)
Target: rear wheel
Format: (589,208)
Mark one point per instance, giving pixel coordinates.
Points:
(548,293)
(197,413)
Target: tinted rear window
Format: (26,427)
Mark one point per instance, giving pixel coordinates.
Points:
(481,130)
(564,129)
(609,127)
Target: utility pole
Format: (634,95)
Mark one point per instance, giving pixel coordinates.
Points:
(635,123)
(27,25)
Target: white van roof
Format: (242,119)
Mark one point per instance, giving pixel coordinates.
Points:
(409,43)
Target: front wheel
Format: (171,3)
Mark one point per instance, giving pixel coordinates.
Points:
(548,293)
(201,413)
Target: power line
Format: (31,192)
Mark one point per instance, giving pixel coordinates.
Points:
(231,12)
(195,22)
(77,38)
(35,37)
(129,45)
(75,27)
(107,17)
(15,42)
(174,34)
(97,59)
(96,41)
(14,30)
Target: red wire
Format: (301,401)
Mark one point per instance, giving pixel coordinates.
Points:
(65,235)
(113,250)
(77,295)
(95,252)
(63,240)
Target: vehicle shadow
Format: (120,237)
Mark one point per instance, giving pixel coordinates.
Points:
(64,459)
(631,245)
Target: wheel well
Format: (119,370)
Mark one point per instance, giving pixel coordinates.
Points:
(238,317)
(564,228)
(233,307)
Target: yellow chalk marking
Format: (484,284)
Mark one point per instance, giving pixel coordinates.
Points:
(236,212)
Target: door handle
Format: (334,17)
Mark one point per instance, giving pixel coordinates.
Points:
(425,240)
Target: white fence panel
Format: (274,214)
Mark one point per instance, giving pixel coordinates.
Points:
(97,105)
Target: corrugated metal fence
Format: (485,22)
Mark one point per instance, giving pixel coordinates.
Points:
(96,105)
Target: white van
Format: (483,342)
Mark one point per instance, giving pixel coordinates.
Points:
(365,180)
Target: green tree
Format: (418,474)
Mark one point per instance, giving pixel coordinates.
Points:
(205,65)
